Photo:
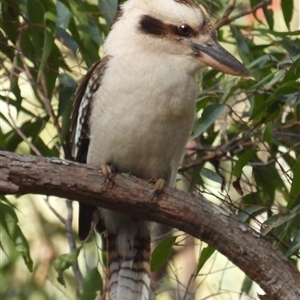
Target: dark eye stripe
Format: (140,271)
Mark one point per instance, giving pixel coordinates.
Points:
(152,26)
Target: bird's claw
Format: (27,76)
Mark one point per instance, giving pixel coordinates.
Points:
(159,184)
(109,173)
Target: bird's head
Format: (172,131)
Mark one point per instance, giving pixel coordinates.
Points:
(172,27)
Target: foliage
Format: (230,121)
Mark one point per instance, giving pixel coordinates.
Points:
(246,138)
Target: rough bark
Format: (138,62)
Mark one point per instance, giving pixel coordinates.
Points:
(193,214)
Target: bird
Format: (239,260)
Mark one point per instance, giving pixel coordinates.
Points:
(133,112)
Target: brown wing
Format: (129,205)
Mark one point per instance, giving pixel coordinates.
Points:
(80,115)
(79,139)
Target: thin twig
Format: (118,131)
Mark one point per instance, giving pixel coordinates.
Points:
(72,244)
(14,125)
(224,20)
(42,94)
(70,236)
(217,152)
(57,215)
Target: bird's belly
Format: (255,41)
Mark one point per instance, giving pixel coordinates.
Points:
(142,142)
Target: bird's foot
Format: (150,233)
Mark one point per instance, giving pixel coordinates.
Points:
(109,173)
(159,184)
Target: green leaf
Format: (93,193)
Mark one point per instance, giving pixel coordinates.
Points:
(263,80)
(294,246)
(18,107)
(290,45)
(64,262)
(15,89)
(279,219)
(278,33)
(210,114)
(206,253)
(80,28)
(91,285)
(247,285)
(9,222)
(287,7)
(267,183)
(295,188)
(95,32)
(35,14)
(262,61)
(67,87)
(108,9)
(287,88)
(63,15)
(44,149)
(49,37)
(247,213)
(297,110)
(242,161)
(54,62)
(269,16)
(10,21)
(211,175)
(243,43)
(277,76)
(30,128)
(77,10)
(27,46)
(263,110)
(67,39)
(267,133)
(253,3)
(240,39)
(297,102)
(5,200)
(292,74)
(162,252)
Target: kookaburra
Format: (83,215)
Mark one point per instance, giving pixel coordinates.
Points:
(134,111)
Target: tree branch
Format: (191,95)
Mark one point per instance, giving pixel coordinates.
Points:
(193,214)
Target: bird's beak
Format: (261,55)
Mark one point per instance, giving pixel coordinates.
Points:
(214,55)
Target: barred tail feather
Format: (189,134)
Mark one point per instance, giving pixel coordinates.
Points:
(128,276)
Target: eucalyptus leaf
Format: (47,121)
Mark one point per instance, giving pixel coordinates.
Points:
(242,161)
(162,252)
(9,222)
(91,285)
(210,114)
(64,262)
(206,253)
(109,10)
(287,7)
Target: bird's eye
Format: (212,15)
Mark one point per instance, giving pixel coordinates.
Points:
(184,30)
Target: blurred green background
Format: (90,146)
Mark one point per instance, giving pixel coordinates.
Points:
(244,152)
